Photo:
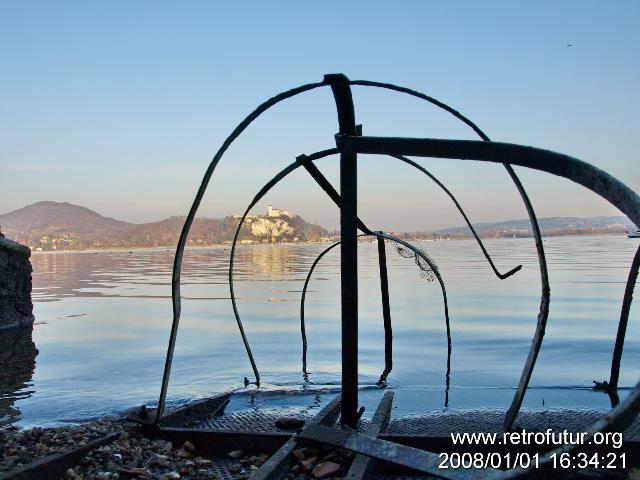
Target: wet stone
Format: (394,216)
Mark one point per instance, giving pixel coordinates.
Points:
(325,469)
(287,422)
(235,454)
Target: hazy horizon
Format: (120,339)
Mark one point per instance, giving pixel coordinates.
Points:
(261,209)
(120,109)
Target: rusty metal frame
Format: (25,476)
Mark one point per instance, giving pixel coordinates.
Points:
(350,144)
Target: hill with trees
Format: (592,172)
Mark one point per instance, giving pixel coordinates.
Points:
(63,226)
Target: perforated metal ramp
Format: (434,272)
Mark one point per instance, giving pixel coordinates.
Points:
(433,424)
(263,420)
(441,424)
(436,424)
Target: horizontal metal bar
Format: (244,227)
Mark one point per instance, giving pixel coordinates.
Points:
(565,166)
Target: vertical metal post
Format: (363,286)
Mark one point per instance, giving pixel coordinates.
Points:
(386,311)
(348,251)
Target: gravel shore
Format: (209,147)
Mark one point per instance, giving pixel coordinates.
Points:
(133,456)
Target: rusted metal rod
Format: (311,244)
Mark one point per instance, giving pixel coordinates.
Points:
(348,251)
(624,319)
(303,329)
(577,171)
(263,191)
(386,311)
(501,276)
(543,313)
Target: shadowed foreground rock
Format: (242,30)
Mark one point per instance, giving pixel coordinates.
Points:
(16,309)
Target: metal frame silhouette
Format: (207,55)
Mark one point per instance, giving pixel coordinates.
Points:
(350,143)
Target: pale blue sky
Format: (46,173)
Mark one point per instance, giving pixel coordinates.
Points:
(119,106)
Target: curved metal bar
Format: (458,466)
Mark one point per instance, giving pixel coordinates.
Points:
(433,101)
(543,313)
(624,319)
(418,252)
(303,329)
(263,191)
(177,262)
(501,276)
(434,269)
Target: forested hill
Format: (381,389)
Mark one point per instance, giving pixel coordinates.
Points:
(63,226)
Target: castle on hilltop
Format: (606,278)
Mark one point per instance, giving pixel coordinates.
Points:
(271,213)
(276,212)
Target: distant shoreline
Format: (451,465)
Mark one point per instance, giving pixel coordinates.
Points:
(252,245)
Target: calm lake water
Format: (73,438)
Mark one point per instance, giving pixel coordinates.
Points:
(103,319)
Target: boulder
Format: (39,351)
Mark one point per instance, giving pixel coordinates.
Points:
(16,308)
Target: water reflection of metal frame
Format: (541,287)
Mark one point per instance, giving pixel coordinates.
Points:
(350,143)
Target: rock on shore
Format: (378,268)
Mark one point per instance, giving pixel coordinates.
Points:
(16,309)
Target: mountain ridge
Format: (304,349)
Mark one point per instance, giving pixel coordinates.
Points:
(549,225)
(49,225)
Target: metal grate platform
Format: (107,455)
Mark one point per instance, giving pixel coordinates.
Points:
(436,424)
(252,420)
(441,424)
